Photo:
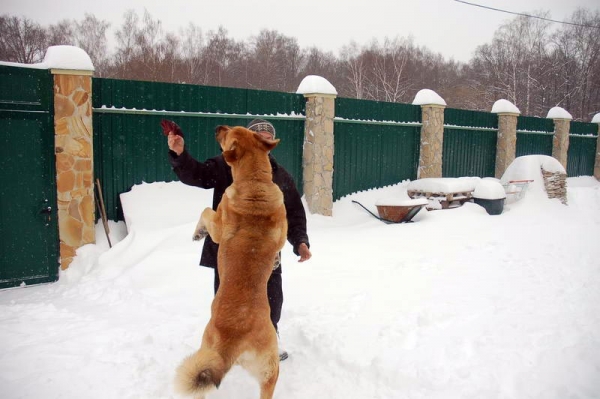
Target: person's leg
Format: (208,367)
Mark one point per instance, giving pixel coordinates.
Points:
(217,281)
(275,294)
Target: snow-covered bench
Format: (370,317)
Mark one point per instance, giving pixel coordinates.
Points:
(443,192)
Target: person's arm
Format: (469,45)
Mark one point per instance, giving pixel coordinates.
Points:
(189,170)
(296,217)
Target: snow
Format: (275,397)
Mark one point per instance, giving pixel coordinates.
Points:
(596,118)
(428,97)
(313,84)
(489,189)
(401,201)
(444,184)
(61,57)
(558,113)
(505,107)
(529,167)
(458,304)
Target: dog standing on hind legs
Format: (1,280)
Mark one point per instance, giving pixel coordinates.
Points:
(250,227)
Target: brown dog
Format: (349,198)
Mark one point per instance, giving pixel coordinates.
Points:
(250,226)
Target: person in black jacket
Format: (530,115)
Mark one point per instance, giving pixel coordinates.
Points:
(215,173)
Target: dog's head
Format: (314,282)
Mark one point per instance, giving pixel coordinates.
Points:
(237,141)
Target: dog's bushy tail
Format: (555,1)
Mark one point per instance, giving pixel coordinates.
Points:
(200,372)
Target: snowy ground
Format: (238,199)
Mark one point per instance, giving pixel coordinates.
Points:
(459,304)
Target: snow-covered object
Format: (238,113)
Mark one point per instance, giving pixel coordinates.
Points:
(529,167)
(313,84)
(505,107)
(68,57)
(401,202)
(596,118)
(428,97)
(444,184)
(489,189)
(558,113)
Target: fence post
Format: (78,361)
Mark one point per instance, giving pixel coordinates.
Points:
(73,149)
(318,149)
(506,144)
(432,133)
(560,142)
(596,119)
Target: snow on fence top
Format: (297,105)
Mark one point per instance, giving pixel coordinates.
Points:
(313,84)
(61,57)
(428,97)
(505,107)
(558,113)
(596,118)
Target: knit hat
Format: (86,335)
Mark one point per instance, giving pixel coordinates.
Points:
(261,125)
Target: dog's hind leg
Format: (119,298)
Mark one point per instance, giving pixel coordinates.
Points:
(201,230)
(264,368)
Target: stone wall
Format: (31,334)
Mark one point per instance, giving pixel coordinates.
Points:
(506,144)
(432,141)
(560,143)
(74,162)
(318,154)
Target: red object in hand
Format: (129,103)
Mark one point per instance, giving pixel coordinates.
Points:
(170,126)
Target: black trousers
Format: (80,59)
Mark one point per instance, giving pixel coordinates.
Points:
(274,292)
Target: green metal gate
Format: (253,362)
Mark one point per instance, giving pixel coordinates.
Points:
(28,222)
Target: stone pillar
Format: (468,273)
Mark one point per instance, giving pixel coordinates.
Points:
(560,142)
(317,159)
(318,153)
(432,133)
(506,144)
(596,119)
(432,141)
(74,161)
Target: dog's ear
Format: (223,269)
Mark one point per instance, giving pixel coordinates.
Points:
(266,143)
(232,153)
(221,132)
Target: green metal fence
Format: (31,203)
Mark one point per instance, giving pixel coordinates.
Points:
(129,147)
(534,136)
(582,149)
(376,144)
(469,143)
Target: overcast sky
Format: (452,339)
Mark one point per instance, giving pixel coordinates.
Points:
(446,26)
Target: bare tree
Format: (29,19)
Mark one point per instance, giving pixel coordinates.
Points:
(21,40)
(355,70)
(90,35)
(192,48)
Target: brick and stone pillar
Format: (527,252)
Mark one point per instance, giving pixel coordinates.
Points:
(74,159)
(506,144)
(318,144)
(560,143)
(596,119)
(432,133)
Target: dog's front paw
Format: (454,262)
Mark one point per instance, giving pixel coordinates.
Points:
(199,234)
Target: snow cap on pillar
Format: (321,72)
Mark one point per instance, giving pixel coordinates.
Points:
(428,97)
(68,58)
(313,84)
(558,113)
(505,107)
(596,118)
